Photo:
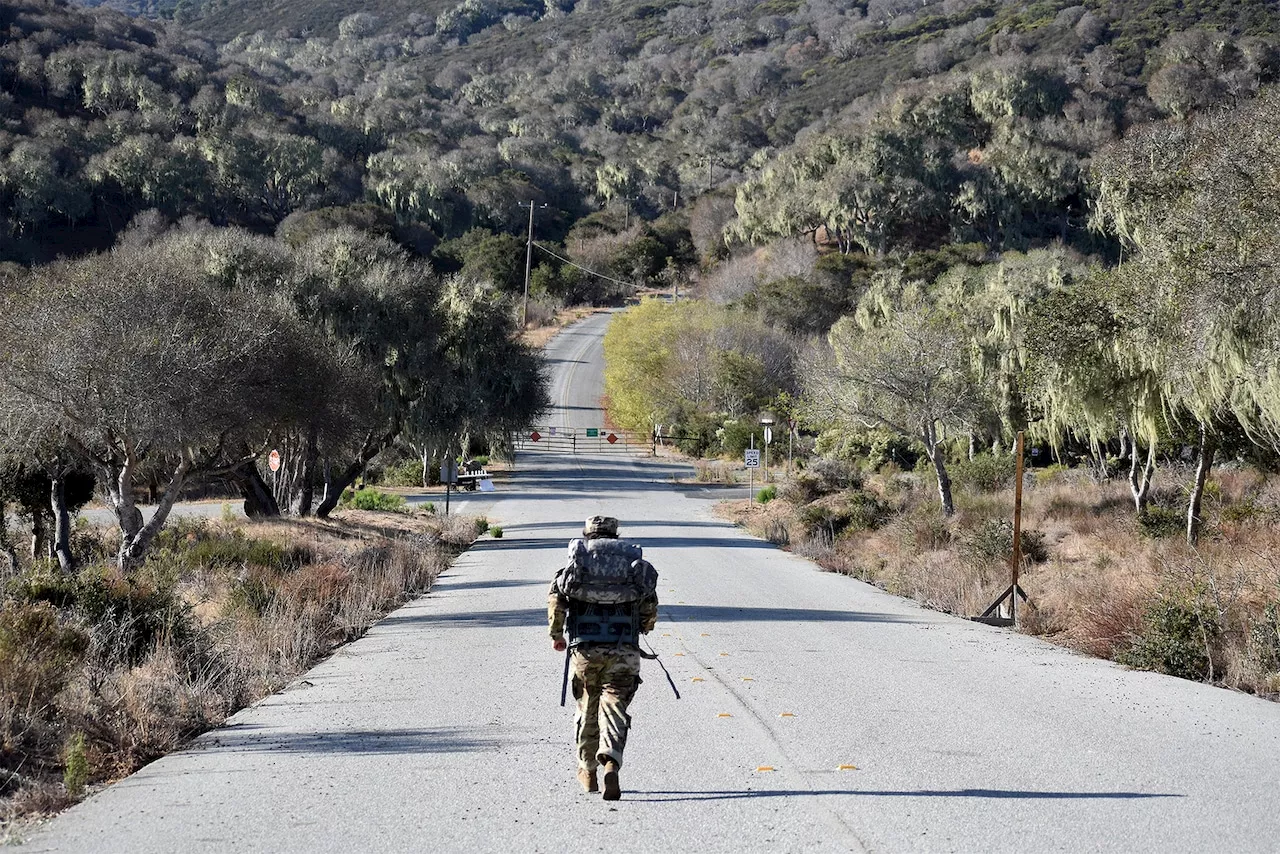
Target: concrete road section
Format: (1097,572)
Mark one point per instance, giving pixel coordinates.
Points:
(817,714)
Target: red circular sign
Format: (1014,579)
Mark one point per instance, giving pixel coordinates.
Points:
(273,461)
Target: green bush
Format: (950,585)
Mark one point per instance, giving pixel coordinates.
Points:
(892,448)
(736,437)
(866,512)
(252,594)
(1264,640)
(697,434)
(984,473)
(1050,473)
(834,475)
(126,616)
(75,773)
(495,531)
(926,530)
(802,489)
(38,652)
(482,524)
(1177,635)
(993,541)
(408,473)
(857,511)
(373,499)
(428,507)
(195,544)
(1158,522)
(764,496)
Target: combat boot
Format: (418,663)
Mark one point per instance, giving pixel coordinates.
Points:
(587,777)
(612,789)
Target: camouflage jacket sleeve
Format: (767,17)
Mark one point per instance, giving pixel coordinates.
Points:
(557,610)
(648,613)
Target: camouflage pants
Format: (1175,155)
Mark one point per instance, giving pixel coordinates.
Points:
(605,680)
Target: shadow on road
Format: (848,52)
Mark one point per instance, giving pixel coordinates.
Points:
(445,584)
(724,614)
(646,542)
(671,797)
(249,738)
(516,617)
(624,526)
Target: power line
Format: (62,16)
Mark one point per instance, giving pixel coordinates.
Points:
(582,268)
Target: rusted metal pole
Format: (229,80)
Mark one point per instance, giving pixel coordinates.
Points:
(1017,531)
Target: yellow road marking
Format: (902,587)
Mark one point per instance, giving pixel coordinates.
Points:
(847,768)
(766,768)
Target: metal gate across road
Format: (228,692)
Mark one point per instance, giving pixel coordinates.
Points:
(584,440)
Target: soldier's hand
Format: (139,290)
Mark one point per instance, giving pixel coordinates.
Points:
(560,644)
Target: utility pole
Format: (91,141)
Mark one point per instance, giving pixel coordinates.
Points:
(528,266)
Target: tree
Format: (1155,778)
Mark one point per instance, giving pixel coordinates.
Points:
(911,373)
(130,358)
(1198,202)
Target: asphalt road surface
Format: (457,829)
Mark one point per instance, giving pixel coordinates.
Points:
(888,727)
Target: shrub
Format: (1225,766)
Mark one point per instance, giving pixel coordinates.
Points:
(764,496)
(1177,636)
(1050,473)
(891,448)
(858,511)
(408,473)
(495,531)
(776,532)
(1158,522)
(481,524)
(926,531)
(802,489)
(373,499)
(75,773)
(1264,640)
(992,541)
(866,512)
(736,436)
(126,617)
(697,434)
(38,655)
(428,507)
(984,473)
(834,475)
(252,594)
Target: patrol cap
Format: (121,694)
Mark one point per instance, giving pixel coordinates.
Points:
(600,526)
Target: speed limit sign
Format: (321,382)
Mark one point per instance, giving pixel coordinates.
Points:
(753,458)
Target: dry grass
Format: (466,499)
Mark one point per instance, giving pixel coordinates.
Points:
(221,615)
(545,322)
(1104,589)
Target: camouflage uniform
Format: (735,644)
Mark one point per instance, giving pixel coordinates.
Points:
(605,679)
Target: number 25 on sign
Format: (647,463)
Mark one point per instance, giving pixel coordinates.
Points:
(753,458)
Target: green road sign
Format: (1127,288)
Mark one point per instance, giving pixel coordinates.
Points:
(592,433)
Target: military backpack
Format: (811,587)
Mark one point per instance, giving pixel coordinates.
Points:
(604,581)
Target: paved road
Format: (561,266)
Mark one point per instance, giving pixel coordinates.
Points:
(441,729)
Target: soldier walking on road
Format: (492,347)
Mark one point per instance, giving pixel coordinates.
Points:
(602,600)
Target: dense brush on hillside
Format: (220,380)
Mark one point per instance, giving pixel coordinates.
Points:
(447,116)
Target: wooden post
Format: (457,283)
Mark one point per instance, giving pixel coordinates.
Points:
(1017,530)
